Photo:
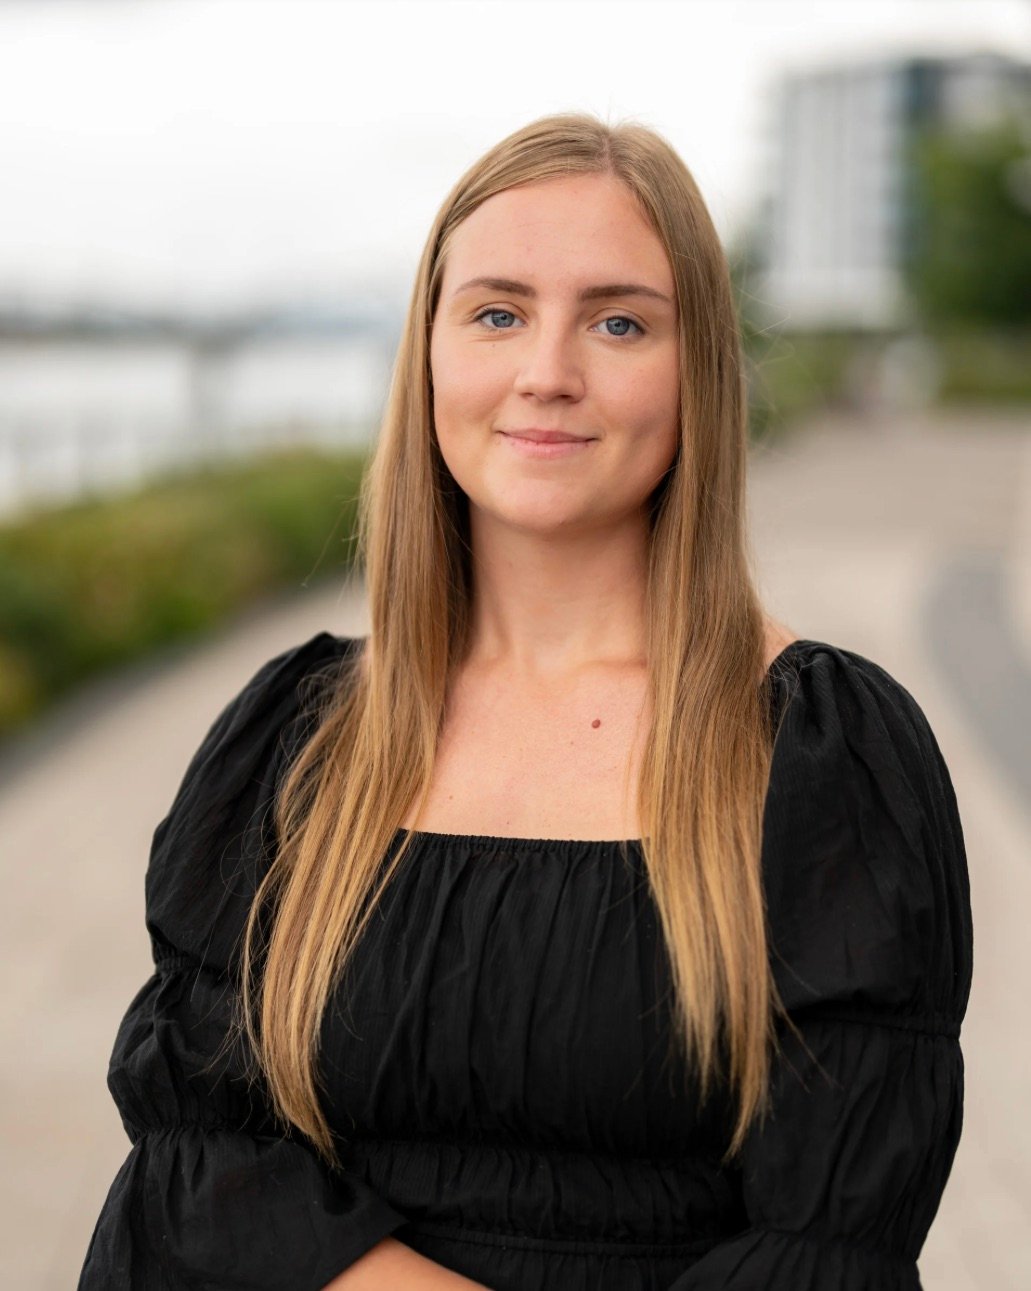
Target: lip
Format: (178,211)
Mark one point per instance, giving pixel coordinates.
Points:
(537,436)
(546,444)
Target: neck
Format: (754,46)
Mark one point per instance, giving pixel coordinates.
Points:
(547,606)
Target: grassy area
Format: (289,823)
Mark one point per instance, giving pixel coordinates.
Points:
(985,367)
(794,374)
(91,586)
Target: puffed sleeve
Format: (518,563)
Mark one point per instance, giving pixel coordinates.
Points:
(212,1193)
(871,947)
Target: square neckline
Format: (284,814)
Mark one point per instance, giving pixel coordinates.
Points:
(501,842)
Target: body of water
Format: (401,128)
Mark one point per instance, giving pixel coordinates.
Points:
(92,416)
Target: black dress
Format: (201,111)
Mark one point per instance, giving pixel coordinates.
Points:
(500,1073)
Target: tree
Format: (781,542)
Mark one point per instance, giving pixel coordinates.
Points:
(968,259)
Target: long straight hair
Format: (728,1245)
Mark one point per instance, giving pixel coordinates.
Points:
(707,757)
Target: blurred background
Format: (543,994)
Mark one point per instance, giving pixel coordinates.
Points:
(210,215)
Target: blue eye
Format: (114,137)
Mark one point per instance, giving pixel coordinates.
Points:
(497,313)
(623,323)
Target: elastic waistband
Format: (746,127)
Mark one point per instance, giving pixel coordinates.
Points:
(549,1198)
(563,1245)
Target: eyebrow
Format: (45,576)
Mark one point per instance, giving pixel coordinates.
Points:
(604,291)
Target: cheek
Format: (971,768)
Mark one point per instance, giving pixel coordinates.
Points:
(649,409)
(650,402)
(461,389)
(460,404)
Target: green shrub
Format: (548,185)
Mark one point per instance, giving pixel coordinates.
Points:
(791,375)
(987,366)
(103,582)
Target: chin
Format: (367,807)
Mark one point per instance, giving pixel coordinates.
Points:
(541,524)
(537,520)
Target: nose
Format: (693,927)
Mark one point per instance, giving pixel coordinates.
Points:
(551,366)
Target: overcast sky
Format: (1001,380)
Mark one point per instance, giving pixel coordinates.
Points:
(222,152)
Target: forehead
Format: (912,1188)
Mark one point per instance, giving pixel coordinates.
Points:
(576,227)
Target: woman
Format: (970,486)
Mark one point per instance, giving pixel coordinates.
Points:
(582,927)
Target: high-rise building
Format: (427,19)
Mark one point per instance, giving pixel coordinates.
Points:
(839,215)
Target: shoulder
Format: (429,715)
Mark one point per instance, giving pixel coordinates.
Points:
(833,703)
(208,853)
(863,853)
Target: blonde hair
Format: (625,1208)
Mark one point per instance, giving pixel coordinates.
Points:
(706,762)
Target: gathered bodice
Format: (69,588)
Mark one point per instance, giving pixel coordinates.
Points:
(498,1064)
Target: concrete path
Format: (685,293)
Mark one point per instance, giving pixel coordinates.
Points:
(909,543)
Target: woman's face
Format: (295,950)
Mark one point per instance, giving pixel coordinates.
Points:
(556,314)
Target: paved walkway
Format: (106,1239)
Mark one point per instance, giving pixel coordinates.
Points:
(909,543)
